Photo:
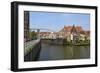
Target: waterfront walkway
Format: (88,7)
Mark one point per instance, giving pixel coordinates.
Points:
(29,45)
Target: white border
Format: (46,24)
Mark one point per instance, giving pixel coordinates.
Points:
(22,64)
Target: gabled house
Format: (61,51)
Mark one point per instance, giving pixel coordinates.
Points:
(73,33)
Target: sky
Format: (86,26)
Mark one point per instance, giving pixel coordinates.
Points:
(55,21)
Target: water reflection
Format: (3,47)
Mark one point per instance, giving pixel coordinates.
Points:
(60,52)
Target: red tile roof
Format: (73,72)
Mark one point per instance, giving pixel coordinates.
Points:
(69,28)
(79,28)
(44,32)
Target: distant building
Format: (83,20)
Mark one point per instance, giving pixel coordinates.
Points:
(44,35)
(74,33)
(52,35)
(71,33)
(87,35)
(47,35)
(26,25)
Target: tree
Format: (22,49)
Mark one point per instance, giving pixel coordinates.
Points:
(33,35)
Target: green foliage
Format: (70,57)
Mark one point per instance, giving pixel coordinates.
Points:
(77,43)
(33,35)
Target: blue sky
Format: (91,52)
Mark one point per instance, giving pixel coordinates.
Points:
(56,21)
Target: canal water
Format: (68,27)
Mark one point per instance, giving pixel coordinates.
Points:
(63,52)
